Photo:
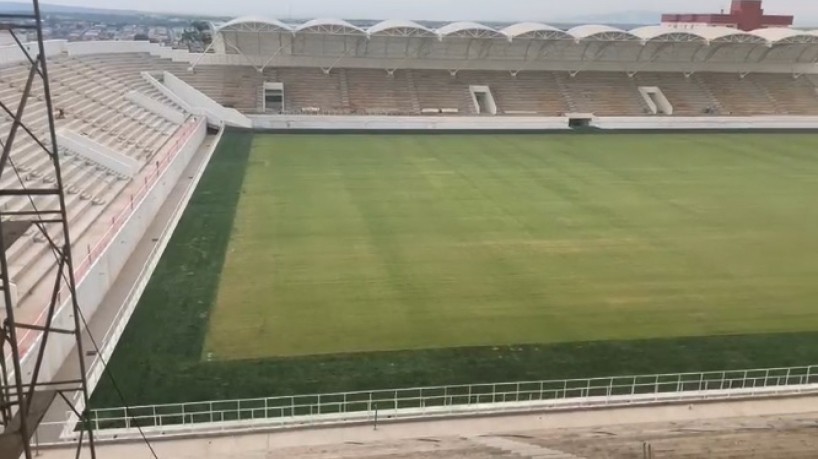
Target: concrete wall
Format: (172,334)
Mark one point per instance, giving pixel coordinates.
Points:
(198,99)
(93,287)
(525,123)
(12,54)
(521,123)
(707,122)
(123,316)
(163,110)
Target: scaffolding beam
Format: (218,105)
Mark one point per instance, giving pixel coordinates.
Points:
(27,390)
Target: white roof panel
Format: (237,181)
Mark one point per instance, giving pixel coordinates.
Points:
(648,33)
(458,27)
(328,22)
(586,31)
(526,28)
(254,20)
(711,33)
(398,24)
(782,34)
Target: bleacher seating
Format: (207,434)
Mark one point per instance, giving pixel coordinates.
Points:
(416,92)
(527,93)
(233,87)
(687,96)
(311,88)
(437,89)
(604,93)
(90,92)
(792,96)
(88,95)
(738,96)
(376,92)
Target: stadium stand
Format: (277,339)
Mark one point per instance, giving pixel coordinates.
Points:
(689,98)
(375,92)
(232,87)
(739,96)
(603,93)
(425,92)
(117,112)
(310,90)
(89,95)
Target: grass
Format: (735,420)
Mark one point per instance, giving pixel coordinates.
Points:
(359,262)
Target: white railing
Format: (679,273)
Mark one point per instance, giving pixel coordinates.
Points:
(424,402)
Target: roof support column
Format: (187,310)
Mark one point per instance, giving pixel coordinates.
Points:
(201,56)
(346,53)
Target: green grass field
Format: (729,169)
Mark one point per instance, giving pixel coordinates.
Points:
(338,262)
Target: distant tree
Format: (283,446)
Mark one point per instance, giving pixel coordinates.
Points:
(197,33)
(141,37)
(189,38)
(200,26)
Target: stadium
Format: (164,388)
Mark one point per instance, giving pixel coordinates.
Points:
(319,223)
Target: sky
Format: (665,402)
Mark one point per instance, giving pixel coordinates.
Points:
(806,11)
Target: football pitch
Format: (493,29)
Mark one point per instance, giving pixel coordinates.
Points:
(318,263)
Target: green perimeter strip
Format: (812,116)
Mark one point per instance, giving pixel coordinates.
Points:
(168,326)
(180,381)
(158,360)
(576,131)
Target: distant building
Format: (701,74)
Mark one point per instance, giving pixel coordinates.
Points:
(744,15)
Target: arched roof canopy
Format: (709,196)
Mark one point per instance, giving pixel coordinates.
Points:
(330,26)
(400,28)
(601,33)
(468,30)
(535,30)
(781,35)
(662,34)
(727,35)
(253,24)
(266,40)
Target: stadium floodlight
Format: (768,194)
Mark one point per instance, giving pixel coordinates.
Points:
(28,388)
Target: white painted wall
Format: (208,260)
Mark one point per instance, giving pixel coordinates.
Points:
(407,122)
(12,54)
(491,105)
(117,327)
(477,123)
(165,111)
(198,99)
(661,104)
(706,122)
(81,48)
(92,289)
(104,156)
(147,76)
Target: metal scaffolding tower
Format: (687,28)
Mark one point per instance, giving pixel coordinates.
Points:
(26,390)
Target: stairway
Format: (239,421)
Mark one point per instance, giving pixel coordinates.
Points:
(779,108)
(569,100)
(706,90)
(410,80)
(344,89)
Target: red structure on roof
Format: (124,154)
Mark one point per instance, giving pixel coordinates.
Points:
(744,15)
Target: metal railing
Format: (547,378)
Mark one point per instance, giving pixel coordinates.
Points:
(150,175)
(416,402)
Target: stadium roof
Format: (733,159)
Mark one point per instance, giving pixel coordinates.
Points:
(400,40)
(769,36)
